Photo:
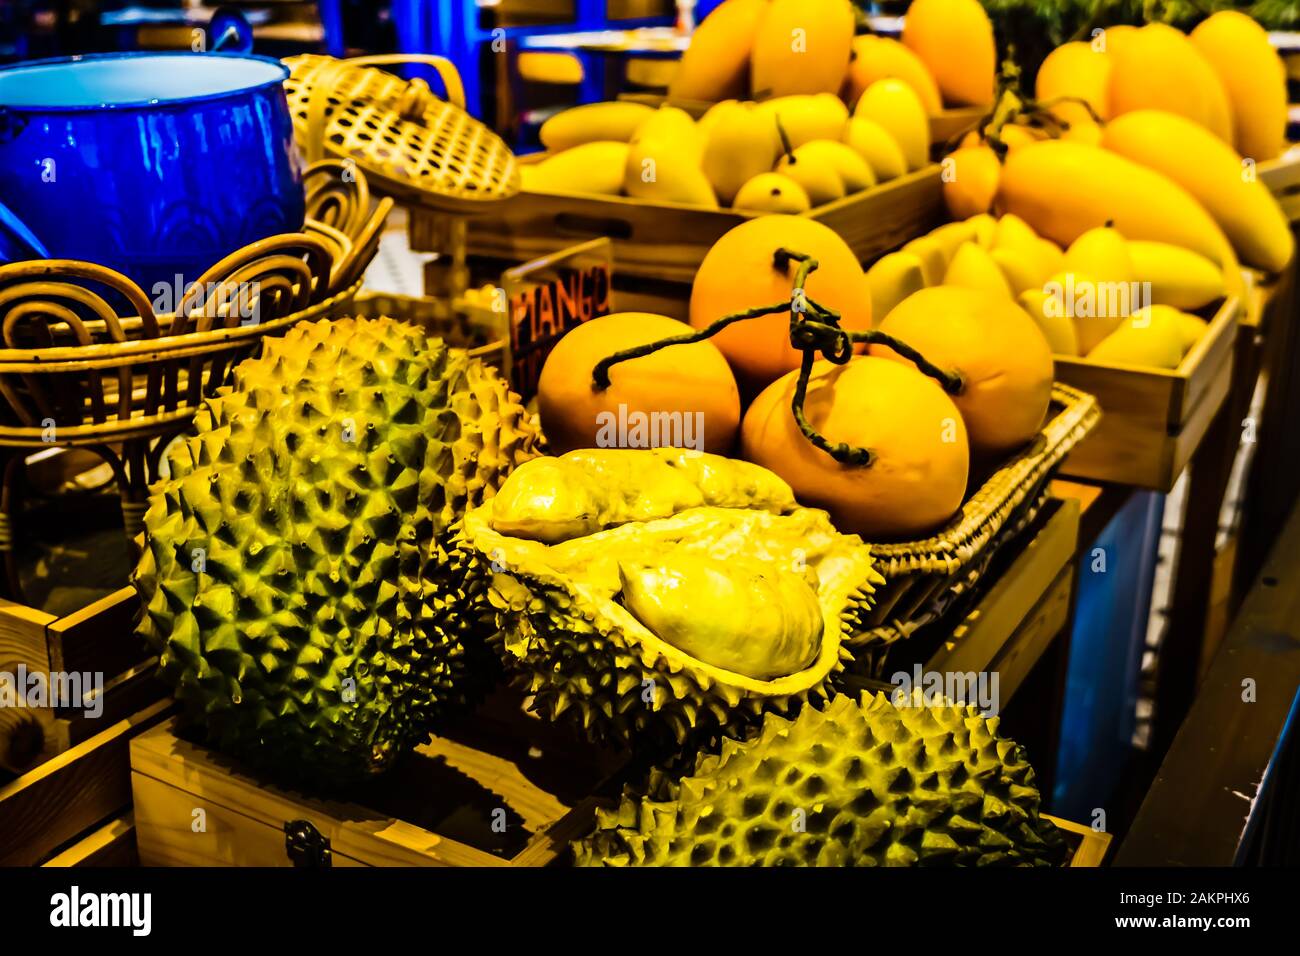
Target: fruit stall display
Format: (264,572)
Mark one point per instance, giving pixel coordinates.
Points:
(393,605)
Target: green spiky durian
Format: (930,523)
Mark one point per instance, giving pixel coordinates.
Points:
(297,581)
(855,784)
(644,592)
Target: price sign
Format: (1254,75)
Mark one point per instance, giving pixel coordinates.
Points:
(550,296)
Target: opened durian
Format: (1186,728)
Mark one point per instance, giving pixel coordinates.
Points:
(665,590)
(296,578)
(855,784)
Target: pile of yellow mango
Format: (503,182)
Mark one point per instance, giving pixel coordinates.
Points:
(787,154)
(803,112)
(1111,299)
(1137,163)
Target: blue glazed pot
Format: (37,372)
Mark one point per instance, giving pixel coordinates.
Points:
(154,164)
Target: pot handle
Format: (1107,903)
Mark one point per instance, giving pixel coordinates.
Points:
(17,242)
(229,31)
(409,102)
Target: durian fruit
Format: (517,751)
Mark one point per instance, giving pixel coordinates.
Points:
(862,783)
(296,578)
(664,592)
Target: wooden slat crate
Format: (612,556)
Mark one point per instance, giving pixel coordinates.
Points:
(66,799)
(1282,177)
(1089,845)
(943,125)
(110,845)
(504,789)
(666,242)
(1152,420)
(97,639)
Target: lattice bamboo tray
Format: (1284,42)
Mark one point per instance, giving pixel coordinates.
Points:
(1153,420)
(666,242)
(925,579)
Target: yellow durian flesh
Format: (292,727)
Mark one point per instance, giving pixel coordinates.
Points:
(742,616)
(588,490)
(571,638)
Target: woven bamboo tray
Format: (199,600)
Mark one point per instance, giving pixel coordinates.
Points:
(923,579)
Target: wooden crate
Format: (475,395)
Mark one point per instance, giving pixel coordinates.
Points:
(505,789)
(1089,846)
(1152,420)
(1282,177)
(244,820)
(68,800)
(97,639)
(666,242)
(110,845)
(943,125)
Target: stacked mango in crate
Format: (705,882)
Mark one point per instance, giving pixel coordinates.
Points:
(800,112)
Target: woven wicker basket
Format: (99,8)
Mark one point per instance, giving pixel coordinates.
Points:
(924,578)
(86,360)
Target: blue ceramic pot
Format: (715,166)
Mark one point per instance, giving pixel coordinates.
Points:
(153,164)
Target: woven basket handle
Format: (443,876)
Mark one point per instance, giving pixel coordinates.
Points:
(319,100)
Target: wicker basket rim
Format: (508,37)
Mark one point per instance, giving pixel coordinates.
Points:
(986,511)
(113,353)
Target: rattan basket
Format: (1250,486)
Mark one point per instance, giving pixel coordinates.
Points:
(923,579)
(88,360)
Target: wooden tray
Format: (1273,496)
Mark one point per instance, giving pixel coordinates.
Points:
(1152,420)
(943,125)
(504,789)
(666,242)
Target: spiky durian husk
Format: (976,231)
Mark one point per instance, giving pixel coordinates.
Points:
(855,784)
(297,581)
(570,643)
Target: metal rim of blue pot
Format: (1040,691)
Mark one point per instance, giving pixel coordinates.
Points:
(151,104)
